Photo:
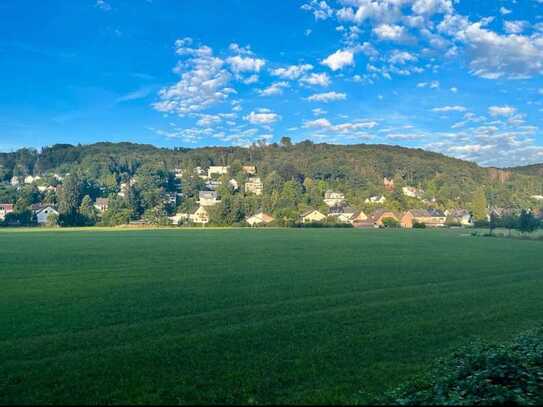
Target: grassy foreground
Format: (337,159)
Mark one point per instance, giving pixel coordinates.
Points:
(249,316)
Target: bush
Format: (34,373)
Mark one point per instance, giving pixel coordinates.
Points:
(391,223)
(417,225)
(481,374)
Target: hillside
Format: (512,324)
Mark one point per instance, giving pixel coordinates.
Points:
(308,169)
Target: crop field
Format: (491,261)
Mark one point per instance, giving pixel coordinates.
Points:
(249,316)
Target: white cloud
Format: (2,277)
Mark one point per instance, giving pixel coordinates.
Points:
(446,109)
(240,64)
(262,118)
(204,82)
(103,5)
(292,72)
(274,89)
(321,79)
(327,97)
(320,9)
(323,125)
(515,27)
(339,59)
(401,57)
(390,32)
(496,111)
(431,85)
(504,11)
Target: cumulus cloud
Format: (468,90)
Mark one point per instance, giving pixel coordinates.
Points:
(321,79)
(327,97)
(274,89)
(292,72)
(240,64)
(324,126)
(264,117)
(390,32)
(497,111)
(103,5)
(446,109)
(339,59)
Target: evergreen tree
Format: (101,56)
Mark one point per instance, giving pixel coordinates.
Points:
(87,211)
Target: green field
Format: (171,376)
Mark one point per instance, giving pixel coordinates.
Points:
(249,316)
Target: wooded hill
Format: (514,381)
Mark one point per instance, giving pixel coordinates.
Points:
(356,170)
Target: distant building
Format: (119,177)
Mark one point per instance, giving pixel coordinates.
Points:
(217,170)
(332,198)
(101,204)
(5,209)
(376,219)
(43,212)
(213,185)
(200,216)
(376,199)
(343,214)
(29,179)
(249,169)
(429,218)
(460,217)
(178,172)
(208,198)
(412,192)
(259,219)
(537,197)
(389,184)
(234,184)
(15,182)
(313,216)
(254,186)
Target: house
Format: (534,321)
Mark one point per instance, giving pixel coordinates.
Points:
(254,186)
(313,216)
(259,219)
(388,184)
(429,218)
(43,212)
(249,169)
(359,216)
(29,179)
(101,204)
(234,184)
(201,216)
(14,181)
(178,173)
(343,214)
(537,197)
(171,198)
(412,192)
(376,199)
(459,217)
(217,170)
(213,185)
(208,198)
(332,198)
(178,218)
(5,209)
(380,215)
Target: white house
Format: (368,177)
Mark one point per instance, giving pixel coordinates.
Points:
(101,204)
(313,216)
(5,209)
(332,198)
(249,169)
(254,186)
(234,184)
(259,219)
(377,199)
(14,181)
(217,170)
(208,198)
(29,179)
(43,212)
(412,192)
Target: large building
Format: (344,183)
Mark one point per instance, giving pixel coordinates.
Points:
(254,186)
(332,198)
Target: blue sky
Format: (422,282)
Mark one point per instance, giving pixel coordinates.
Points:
(460,77)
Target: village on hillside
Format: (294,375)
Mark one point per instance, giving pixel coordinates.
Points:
(334,208)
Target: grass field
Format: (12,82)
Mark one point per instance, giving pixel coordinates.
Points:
(249,316)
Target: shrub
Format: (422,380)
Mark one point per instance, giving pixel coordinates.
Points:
(418,225)
(391,223)
(481,374)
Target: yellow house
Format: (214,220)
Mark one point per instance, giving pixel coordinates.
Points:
(313,216)
(201,216)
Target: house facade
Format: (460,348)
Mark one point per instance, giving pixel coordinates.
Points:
(254,186)
(101,204)
(313,216)
(43,212)
(332,198)
(5,209)
(217,170)
(208,198)
(249,169)
(376,199)
(260,219)
(201,216)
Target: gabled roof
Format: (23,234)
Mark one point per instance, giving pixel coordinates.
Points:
(310,211)
(7,207)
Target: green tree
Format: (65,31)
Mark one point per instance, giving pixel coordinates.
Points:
(87,212)
(479,205)
(527,222)
(70,197)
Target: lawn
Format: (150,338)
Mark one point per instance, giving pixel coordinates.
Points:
(249,316)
